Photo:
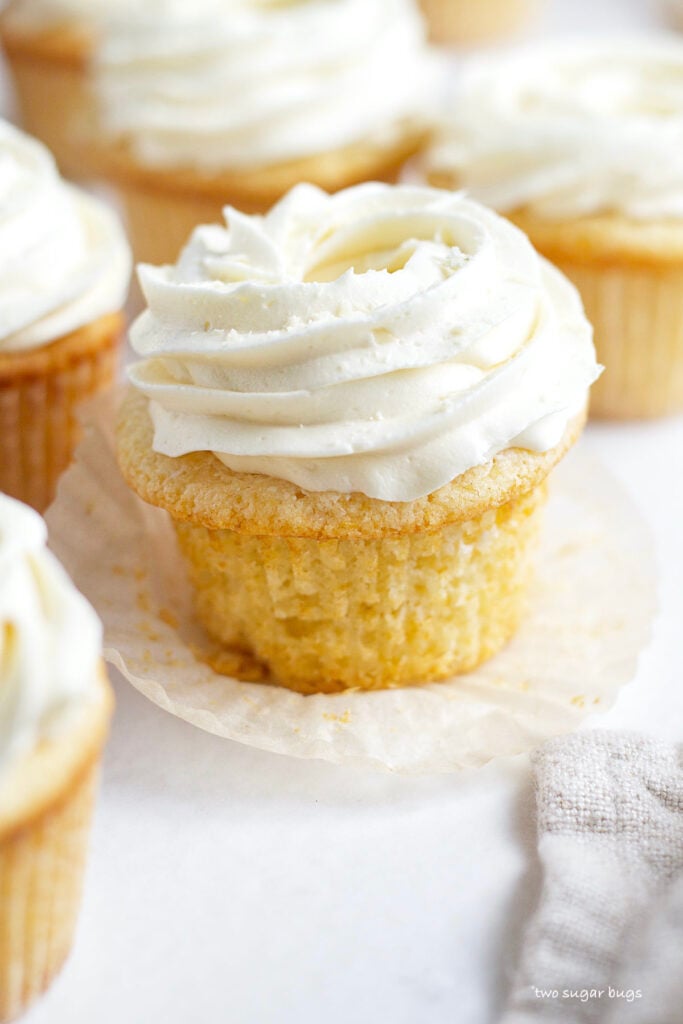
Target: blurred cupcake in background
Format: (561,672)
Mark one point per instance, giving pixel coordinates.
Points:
(64,274)
(468,22)
(54,715)
(48,45)
(210,103)
(582,146)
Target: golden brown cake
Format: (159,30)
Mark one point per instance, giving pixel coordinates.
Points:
(40,391)
(318,585)
(61,328)
(349,408)
(49,756)
(593,176)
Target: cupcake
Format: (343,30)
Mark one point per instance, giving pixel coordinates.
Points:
(349,408)
(206,104)
(64,271)
(582,146)
(468,22)
(48,45)
(54,715)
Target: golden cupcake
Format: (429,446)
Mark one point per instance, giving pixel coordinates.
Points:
(48,45)
(55,705)
(582,147)
(349,408)
(202,105)
(470,22)
(64,271)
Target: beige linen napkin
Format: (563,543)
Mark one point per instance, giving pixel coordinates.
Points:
(606,941)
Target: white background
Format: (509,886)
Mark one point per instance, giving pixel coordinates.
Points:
(229,885)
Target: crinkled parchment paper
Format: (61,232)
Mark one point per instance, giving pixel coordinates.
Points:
(591,609)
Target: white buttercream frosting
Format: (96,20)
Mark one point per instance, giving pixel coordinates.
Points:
(50,637)
(570,130)
(382,340)
(64,260)
(243,83)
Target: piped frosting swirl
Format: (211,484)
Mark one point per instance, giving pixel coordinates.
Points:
(50,637)
(64,260)
(571,130)
(382,340)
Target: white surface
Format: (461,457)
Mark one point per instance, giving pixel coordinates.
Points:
(228,885)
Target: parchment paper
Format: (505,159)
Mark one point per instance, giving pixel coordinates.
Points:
(590,612)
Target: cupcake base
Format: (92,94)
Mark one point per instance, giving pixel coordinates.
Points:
(41,874)
(40,389)
(44,830)
(590,609)
(318,612)
(467,22)
(334,591)
(630,276)
(638,318)
(163,207)
(48,68)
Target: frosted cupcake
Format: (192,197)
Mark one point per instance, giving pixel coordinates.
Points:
(467,22)
(48,45)
(582,147)
(205,104)
(54,713)
(349,408)
(64,272)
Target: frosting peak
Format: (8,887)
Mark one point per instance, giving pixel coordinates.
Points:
(570,130)
(64,260)
(383,340)
(50,638)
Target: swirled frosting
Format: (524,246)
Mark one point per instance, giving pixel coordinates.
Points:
(63,257)
(64,260)
(50,637)
(248,83)
(381,340)
(571,130)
